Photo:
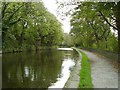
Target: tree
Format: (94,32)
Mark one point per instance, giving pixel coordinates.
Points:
(92,21)
(67,40)
(88,24)
(28,26)
(114,16)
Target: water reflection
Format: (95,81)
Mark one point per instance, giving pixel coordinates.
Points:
(65,73)
(33,70)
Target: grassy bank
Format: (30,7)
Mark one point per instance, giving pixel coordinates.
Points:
(85,72)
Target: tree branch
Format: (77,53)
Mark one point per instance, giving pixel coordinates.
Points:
(12,23)
(107,20)
(14,12)
(4,7)
(112,17)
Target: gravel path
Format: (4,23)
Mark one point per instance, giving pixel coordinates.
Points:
(104,75)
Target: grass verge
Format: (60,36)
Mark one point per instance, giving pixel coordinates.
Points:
(85,72)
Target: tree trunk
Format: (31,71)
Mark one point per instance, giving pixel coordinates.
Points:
(106,46)
(117,12)
(118,23)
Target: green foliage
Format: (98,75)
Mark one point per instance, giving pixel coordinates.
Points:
(89,27)
(67,40)
(29,25)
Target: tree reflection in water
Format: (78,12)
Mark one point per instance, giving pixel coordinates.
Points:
(32,69)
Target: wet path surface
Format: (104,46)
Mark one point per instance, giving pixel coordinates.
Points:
(104,75)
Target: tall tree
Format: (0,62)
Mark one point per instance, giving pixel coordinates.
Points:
(90,14)
(88,24)
(28,25)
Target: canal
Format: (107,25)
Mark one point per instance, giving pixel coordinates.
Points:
(48,68)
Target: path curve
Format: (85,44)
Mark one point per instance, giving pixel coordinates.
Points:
(104,75)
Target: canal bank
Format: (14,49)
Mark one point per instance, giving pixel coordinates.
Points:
(81,74)
(74,78)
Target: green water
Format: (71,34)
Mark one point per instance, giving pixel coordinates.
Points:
(33,69)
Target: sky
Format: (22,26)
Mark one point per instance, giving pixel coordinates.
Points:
(52,7)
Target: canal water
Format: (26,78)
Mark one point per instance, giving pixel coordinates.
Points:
(44,69)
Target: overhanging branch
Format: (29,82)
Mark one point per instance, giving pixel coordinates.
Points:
(107,20)
(4,7)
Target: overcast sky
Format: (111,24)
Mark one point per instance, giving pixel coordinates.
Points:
(52,7)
